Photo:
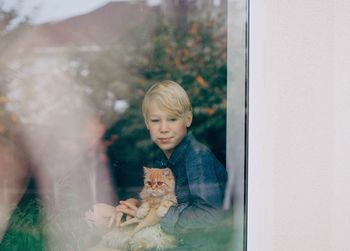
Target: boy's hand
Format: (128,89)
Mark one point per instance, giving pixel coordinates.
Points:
(127,207)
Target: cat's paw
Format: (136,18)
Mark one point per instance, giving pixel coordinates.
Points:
(163,208)
(142,211)
(161,211)
(167,203)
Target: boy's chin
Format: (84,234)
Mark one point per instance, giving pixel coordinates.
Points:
(166,150)
(165,147)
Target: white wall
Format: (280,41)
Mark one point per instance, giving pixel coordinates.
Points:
(299,125)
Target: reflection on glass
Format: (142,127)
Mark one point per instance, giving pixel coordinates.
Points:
(71,129)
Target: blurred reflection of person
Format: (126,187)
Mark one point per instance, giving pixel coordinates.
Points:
(65,156)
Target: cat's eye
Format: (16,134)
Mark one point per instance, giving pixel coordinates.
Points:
(149,183)
(159,183)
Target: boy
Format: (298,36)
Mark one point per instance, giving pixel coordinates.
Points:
(199,177)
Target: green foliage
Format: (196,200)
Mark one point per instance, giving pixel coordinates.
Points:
(61,226)
(25,230)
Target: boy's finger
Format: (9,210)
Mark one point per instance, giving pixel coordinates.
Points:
(129,205)
(119,208)
(127,211)
(130,212)
(118,219)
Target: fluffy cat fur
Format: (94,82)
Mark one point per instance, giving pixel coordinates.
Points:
(143,231)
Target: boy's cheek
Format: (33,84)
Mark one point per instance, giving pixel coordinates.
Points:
(153,136)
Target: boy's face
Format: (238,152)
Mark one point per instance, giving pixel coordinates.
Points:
(166,130)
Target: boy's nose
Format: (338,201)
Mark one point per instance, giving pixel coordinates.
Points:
(164,127)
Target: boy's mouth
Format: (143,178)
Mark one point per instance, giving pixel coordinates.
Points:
(165,140)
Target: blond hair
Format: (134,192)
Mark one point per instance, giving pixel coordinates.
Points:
(168,95)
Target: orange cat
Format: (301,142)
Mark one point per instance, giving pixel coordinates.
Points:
(157,195)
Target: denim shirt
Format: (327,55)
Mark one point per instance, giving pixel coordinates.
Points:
(200,181)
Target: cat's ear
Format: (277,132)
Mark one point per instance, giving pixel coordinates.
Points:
(146,169)
(167,172)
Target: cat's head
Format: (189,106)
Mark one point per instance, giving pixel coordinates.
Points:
(158,182)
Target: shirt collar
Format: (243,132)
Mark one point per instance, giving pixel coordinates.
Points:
(180,149)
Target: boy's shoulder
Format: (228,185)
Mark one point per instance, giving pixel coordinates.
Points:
(196,148)
(200,156)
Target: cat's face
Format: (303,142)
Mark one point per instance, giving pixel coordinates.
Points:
(158,182)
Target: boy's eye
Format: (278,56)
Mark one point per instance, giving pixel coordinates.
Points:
(154,120)
(173,119)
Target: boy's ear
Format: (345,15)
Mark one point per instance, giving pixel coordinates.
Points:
(188,120)
(146,124)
